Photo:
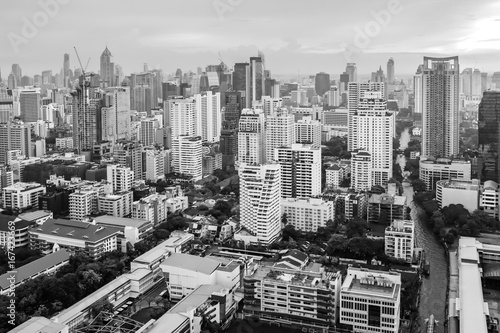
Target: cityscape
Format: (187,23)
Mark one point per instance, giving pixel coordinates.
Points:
(246,166)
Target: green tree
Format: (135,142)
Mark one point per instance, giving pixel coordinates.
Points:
(356,227)
(418,185)
(99,306)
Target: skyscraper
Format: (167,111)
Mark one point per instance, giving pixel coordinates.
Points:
(489,135)
(390,71)
(279,132)
(440,104)
(322,83)
(256,79)
(208,115)
(17,72)
(6,105)
(300,170)
(87,102)
(66,70)
(14,136)
(374,130)
(118,98)
(260,200)
(355,91)
(378,76)
(352,71)
(251,137)
(107,72)
(30,103)
(232,105)
(187,156)
(182,113)
(417,89)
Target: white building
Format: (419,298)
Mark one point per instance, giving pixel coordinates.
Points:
(373,130)
(118,204)
(308,214)
(251,137)
(147,131)
(308,131)
(120,177)
(370,300)
(454,191)
(82,202)
(155,164)
(361,170)
(355,91)
(279,132)
(432,171)
(400,240)
(489,200)
(335,175)
(260,200)
(22,195)
(182,116)
(300,170)
(151,208)
(209,116)
(187,156)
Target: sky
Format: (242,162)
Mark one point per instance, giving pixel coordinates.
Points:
(296,36)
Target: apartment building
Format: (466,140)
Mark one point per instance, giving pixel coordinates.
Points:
(308,214)
(431,171)
(400,240)
(388,207)
(22,195)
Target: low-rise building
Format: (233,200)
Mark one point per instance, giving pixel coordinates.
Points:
(37,216)
(118,204)
(400,240)
(370,300)
(74,236)
(456,191)
(308,214)
(40,325)
(13,231)
(22,195)
(293,292)
(431,171)
(131,230)
(45,265)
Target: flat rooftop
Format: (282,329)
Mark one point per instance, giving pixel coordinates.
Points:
(120,221)
(387,199)
(38,325)
(74,229)
(193,263)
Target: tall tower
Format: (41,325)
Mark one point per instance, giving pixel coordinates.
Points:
(489,135)
(208,113)
(182,113)
(251,137)
(66,70)
(417,88)
(322,83)
(187,156)
(260,200)
(300,170)
(107,72)
(440,104)
(352,71)
(374,130)
(87,102)
(256,79)
(390,71)
(355,91)
(279,132)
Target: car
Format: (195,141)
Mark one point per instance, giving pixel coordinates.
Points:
(129,302)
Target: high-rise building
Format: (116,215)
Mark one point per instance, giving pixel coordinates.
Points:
(373,130)
(208,116)
(322,83)
(390,71)
(66,70)
(120,177)
(251,137)
(400,240)
(241,82)
(47,77)
(300,170)
(87,103)
(107,72)
(370,300)
(489,135)
(308,131)
(187,156)
(352,71)
(260,200)
(147,132)
(118,100)
(232,104)
(440,107)
(257,79)
(361,170)
(6,105)
(355,91)
(417,89)
(14,136)
(182,113)
(279,132)
(17,72)
(30,103)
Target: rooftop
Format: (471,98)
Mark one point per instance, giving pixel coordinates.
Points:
(35,267)
(38,325)
(192,263)
(35,215)
(387,199)
(469,185)
(120,221)
(169,322)
(75,229)
(19,224)
(377,283)
(199,296)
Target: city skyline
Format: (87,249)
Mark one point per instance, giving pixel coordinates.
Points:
(189,35)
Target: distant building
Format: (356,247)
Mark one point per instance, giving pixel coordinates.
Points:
(385,208)
(308,214)
(432,171)
(22,195)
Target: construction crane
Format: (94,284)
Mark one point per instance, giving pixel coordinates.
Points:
(80,62)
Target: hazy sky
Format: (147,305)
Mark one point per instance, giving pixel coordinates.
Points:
(296,35)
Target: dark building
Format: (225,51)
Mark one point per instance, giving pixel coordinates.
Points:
(269,84)
(53,201)
(40,172)
(489,135)
(232,104)
(256,78)
(229,142)
(169,90)
(240,76)
(322,83)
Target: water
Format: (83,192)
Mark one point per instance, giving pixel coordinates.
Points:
(433,290)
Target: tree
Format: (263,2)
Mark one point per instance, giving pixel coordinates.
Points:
(356,227)
(156,312)
(290,232)
(361,247)
(336,243)
(99,306)
(418,185)
(284,219)
(160,235)
(223,206)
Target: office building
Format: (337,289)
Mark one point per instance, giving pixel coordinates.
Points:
(231,104)
(378,76)
(373,130)
(400,240)
(352,71)
(308,131)
(115,114)
(433,170)
(293,292)
(308,214)
(107,72)
(370,300)
(300,170)
(257,79)
(30,103)
(241,83)
(14,136)
(391,78)
(260,201)
(454,191)
(147,131)
(6,105)
(187,156)
(322,83)
(355,92)
(440,109)
(251,137)
(279,132)
(489,135)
